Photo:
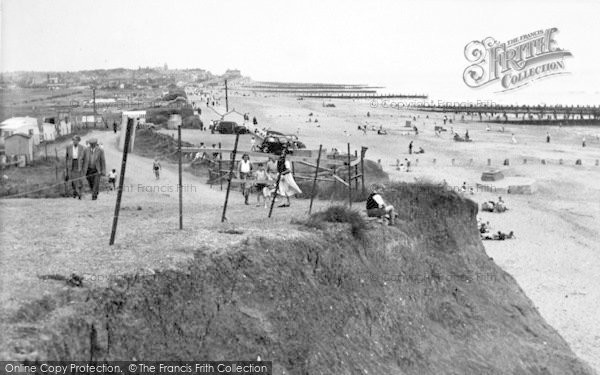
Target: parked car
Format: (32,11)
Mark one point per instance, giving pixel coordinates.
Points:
(228,127)
(273,144)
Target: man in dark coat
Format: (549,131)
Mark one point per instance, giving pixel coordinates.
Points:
(95,166)
(75,160)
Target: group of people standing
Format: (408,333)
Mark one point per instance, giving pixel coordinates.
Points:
(262,178)
(85,162)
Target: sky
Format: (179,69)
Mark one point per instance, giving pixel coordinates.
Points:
(407,46)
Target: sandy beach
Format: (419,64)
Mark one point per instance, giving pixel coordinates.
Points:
(555,257)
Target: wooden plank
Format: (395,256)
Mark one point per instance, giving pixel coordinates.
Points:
(315,166)
(340,180)
(241,180)
(261,155)
(318,179)
(312,195)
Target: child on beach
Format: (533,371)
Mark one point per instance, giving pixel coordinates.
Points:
(156,167)
(262,189)
(244,170)
(112,178)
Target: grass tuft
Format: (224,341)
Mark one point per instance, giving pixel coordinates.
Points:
(339,214)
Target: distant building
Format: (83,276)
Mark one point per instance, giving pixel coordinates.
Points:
(56,86)
(20,125)
(232,73)
(19,144)
(54,83)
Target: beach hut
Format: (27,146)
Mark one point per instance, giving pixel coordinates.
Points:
(48,132)
(19,144)
(21,125)
(64,127)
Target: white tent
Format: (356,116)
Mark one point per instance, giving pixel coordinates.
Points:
(48,131)
(21,125)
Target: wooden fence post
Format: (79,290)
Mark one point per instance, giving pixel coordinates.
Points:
(312,193)
(56,155)
(334,182)
(220,165)
(276,187)
(121,180)
(363,150)
(237,138)
(180,178)
(355,171)
(349,178)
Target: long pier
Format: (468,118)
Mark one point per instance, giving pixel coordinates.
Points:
(296,85)
(362,95)
(523,114)
(310,91)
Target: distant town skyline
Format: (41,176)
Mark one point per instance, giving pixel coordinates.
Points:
(410,46)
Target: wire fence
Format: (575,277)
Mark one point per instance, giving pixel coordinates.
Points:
(48,187)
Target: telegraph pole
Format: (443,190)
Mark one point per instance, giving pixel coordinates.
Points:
(226,98)
(94,100)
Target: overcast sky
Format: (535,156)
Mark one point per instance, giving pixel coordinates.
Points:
(409,46)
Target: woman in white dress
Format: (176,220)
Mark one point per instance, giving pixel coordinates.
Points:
(287,184)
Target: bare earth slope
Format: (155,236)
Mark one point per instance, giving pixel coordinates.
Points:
(418,298)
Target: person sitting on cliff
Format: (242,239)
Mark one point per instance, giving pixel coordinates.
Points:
(376,206)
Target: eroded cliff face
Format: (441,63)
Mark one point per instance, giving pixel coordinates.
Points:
(418,298)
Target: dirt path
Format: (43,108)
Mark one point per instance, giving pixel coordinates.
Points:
(139,176)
